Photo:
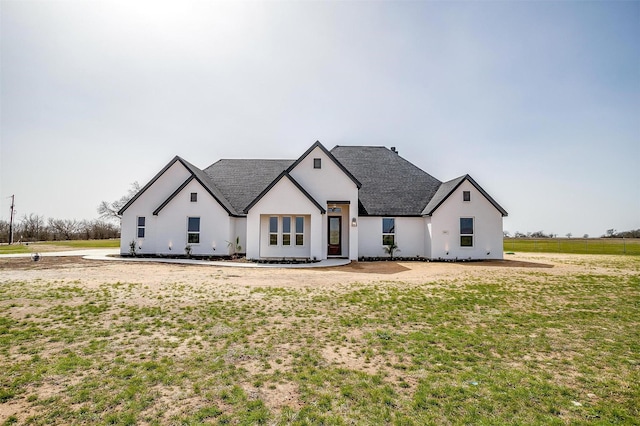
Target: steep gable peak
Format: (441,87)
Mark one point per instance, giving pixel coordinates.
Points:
(328,153)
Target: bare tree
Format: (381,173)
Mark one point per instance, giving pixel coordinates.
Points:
(4,231)
(109,211)
(64,229)
(33,228)
(569,234)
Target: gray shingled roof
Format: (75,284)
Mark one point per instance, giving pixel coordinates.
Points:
(448,187)
(242,180)
(443,192)
(391,185)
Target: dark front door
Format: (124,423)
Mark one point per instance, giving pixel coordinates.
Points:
(335,236)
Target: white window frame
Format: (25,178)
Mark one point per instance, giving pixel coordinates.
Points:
(142,227)
(286,236)
(468,235)
(389,234)
(273,233)
(299,232)
(194,233)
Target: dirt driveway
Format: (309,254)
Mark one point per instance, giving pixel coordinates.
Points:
(92,272)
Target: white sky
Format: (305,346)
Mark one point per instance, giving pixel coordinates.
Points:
(538,101)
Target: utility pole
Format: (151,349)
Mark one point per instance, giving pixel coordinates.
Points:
(11,220)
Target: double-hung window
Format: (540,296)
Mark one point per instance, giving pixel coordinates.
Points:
(141,227)
(193,230)
(466,232)
(273,231)
(286,231)
(299,230)
(388,231)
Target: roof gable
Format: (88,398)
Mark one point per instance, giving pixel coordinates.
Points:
(283,175)
(317,144)
(197,174)
(449,187)
(391,185)
(151,182)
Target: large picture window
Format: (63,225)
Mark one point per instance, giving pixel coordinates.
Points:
(273,231)
(141,226)
(466,232)
(388,231)
(193,230)
(286,231)
(299,231)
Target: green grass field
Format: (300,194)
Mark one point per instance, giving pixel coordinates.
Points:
(507,346)
(629,246)
(70,245)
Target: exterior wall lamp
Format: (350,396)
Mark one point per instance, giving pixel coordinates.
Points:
(354,222)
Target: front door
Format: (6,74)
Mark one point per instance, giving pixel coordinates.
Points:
(335,236)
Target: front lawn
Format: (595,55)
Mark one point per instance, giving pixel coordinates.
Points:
(531,346)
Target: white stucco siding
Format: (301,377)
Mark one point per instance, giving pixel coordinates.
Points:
(240,231)
(330,183)
(146,203)
(284,199)
(410,235)
(215,224)
(487,227)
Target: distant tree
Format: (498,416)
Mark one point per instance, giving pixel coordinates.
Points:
(64,229)
(540,234)
(32,228)
(109,211)
(519,234)
(585,236)
(569,234)
(4,231)
(611,233)
(633,234)
(506,234)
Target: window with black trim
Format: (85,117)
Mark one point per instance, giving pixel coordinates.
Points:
(141,226)
(317,163)
(299,231)
(273,231)
(193,230)
(466,232)
(286,231)
(466,195)
(194,197)
(388,231)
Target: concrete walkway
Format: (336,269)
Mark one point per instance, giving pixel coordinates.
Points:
(113,255)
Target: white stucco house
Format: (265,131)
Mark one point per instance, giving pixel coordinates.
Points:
(348,202)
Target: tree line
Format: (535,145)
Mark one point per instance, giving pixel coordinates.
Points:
(34,227)
(610,233)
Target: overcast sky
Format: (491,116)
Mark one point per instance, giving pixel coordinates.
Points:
(538,101)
